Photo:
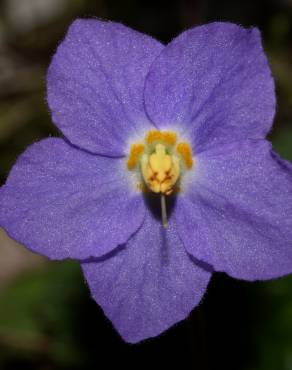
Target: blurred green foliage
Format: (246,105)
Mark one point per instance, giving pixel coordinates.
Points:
(37,315)
(47,320)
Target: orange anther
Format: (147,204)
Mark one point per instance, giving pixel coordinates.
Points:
(135,152)
(185,152)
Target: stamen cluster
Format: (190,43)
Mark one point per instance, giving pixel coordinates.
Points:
(160,160)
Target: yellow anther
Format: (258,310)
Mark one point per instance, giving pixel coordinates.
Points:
(165,137)
(168,137)
(160,170)
(153,136)
(135,152)
(185,152)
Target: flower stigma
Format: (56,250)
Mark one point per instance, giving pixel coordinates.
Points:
(160,160)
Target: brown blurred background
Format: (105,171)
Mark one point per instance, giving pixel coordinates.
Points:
(47,320)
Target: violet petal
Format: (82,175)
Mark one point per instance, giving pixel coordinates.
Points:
(95,85)
(236,215)
(214,83)
(62,202)
(148,285)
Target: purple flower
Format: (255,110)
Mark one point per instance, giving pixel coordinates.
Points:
(182,124)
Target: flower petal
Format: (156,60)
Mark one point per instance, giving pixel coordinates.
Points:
(237,214)
(65,203)
(215,83)
(148,285)
(95,84)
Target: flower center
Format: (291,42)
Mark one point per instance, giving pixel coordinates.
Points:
(160,170)
(161,161)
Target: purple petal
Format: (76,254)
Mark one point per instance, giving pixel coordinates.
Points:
(65,203)
(236,216)
(213,81)
(95,84)
(149,285)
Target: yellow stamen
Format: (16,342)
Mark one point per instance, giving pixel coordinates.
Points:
(135,152)
(160,170)
(186,153)
(166,137)
(153,136)
(161,161)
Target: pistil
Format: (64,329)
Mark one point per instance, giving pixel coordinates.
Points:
(163,211)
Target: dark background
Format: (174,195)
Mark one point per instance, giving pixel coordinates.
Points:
(47,320)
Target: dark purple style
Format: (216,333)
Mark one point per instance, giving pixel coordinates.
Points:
(73,197)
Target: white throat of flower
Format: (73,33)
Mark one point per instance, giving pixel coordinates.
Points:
(161,160)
